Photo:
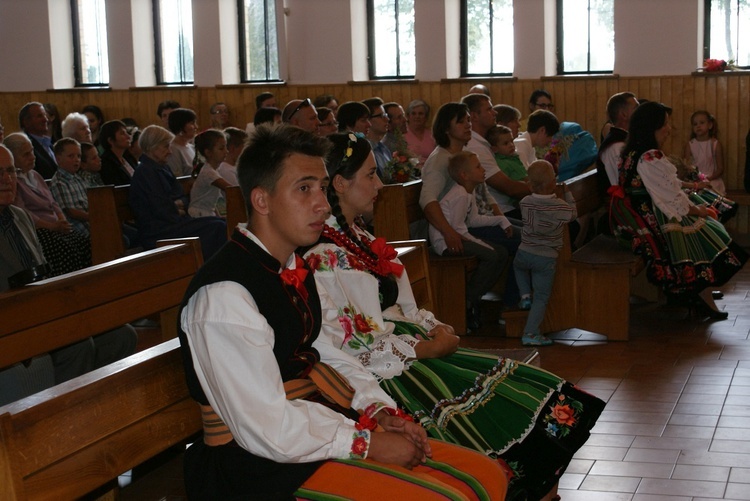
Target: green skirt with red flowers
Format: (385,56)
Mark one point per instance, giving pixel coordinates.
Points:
(530,418)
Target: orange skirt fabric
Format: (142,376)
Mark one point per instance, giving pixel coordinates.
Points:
(453,473)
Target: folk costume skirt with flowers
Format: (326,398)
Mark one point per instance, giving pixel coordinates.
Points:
(685,255)
(526,416)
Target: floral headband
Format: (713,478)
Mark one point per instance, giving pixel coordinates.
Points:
(353,138)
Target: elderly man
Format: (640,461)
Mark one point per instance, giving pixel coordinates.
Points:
(34,122)
(302,113)
(396,127)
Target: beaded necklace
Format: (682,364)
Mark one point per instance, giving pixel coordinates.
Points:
(343,240)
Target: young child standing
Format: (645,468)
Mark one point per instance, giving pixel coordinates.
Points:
(544,218)
(460,210)
(704,149)
(211,145)
(501,142)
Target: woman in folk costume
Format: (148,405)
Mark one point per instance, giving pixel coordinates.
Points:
(687,251)
(531,419)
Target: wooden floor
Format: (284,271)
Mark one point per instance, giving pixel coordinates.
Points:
(677,422)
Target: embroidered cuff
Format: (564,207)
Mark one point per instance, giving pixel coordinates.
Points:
(360,444)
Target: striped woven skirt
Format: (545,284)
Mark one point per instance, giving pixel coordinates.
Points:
(531,419)
(685,255)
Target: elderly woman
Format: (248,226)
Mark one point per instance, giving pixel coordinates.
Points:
(418,135)
(160,205)
(118,164)
(76,125)
(65,250)
(687,251)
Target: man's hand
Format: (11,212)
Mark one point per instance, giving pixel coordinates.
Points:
(454,243)
(411,430)
(395,448)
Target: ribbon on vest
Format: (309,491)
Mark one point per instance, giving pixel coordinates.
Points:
(322,379)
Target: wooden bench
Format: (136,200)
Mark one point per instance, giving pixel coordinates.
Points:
(398,216)
(71,439)
(109,210)
(592,285)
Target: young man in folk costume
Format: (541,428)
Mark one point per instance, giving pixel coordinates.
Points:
(285,413)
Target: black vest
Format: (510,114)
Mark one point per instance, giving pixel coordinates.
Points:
(616,135)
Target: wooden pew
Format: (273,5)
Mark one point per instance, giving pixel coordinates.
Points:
(592,285)
(71,439)
(398,216)
(109,209)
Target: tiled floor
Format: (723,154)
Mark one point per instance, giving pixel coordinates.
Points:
(677,422)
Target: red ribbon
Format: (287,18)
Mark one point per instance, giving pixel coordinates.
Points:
(386,254)
(296,277)
(616,191)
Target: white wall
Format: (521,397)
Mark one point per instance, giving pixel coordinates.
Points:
(324,41)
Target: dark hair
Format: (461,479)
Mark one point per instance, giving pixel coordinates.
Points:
(323,100)
(130,123)
(388,106)
(109,131)
(372,103)
(347,156)
(25,111)
(262,97)
(349,112)
(55,124)
(473,101)
(543,118)
(266,115)
(205,141)
(644,122)
(445,115)
(261,162)
(235,136)
(323,112)
(166,105)
(496,131)
(616,104)
(85,148)
(506,113)
(713,131)
(62,143)
(179,118)
(94,110)
(537,94)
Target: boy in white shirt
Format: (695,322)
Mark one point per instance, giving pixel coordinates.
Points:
(460,210)
(542,126)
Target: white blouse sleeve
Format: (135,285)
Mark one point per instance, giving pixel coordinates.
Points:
(660,179)
(231,344)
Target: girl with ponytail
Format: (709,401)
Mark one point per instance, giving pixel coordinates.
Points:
(211,149)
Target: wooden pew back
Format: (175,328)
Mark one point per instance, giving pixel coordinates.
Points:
(396,208)
(109,210)
(68,440)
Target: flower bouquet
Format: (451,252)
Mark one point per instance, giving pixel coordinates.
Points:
(403,166)
(716,65)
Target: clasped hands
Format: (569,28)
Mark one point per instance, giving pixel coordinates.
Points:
(403,442)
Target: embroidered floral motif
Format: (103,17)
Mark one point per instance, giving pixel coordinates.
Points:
(357,327)
(563,416)
(360,444)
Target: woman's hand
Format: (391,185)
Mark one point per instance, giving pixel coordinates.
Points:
(442,342)
(61,226)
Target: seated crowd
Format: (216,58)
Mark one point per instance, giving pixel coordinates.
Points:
(489,190)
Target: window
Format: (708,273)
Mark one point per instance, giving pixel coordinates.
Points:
(173,38)
(90,57)
(259,47)
(585,36)
(391,45)
(727,31)
(487,37)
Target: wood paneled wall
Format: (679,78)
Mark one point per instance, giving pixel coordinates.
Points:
(581,100)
